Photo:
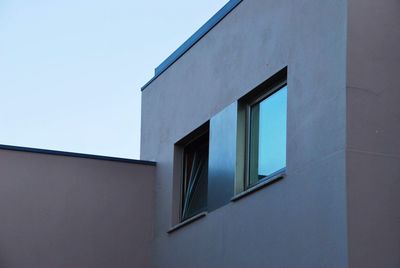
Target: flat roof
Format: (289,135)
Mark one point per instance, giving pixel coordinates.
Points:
(78,155)
(211,23)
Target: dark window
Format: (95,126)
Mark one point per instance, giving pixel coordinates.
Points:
(195,177)
(266,135)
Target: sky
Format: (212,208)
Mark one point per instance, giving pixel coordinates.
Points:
(71,70)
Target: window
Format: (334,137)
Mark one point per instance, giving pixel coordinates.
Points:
(265,135)
(239,150)
(195,177)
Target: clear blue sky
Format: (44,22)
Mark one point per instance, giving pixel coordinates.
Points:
(71,71)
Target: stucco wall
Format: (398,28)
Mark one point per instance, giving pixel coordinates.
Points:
(299,221)
(59,211)
(373,152)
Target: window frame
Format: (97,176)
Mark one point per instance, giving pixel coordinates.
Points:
(189,140)
(254,99)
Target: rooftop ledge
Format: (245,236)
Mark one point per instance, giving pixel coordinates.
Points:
(78,155)
(211,23)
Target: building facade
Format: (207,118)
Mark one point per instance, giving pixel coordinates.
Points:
(307,94)
(270,138)
(74,210)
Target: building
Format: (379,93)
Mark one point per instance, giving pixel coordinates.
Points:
(275,132)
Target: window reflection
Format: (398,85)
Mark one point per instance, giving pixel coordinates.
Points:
(267,137)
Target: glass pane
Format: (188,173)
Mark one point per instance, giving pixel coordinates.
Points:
(268,136)
(195,178)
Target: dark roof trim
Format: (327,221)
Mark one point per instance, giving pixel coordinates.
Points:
(78,155)
(211,23)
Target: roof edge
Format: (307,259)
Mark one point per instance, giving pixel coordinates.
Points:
(76,155)
(200,33)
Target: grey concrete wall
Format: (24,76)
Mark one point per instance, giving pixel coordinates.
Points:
(58,211)
(373,139)
(301,220)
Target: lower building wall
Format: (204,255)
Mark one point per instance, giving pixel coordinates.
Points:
(68,212)
(297,222)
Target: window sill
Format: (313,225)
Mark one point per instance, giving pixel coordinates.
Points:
(259,186)
(186,222)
